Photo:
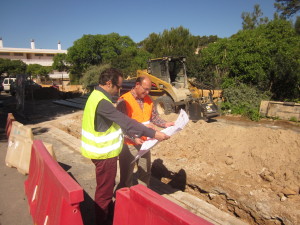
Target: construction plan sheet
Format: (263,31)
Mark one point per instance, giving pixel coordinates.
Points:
(180,123)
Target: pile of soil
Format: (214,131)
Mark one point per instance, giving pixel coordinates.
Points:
(249,170)
(252,172)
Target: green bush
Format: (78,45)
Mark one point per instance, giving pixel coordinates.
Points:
(91,75)
(242,99)
(293,119)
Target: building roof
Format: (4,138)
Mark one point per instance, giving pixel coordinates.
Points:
(30,50)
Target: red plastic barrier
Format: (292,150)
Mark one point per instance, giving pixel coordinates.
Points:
(140,205)
(10,119)
(53,196)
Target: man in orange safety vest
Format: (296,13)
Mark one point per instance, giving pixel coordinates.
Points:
(138,105)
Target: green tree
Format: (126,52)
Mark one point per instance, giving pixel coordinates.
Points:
(60,62)
(12,67)
(38,71)
(151,43)
(214,64)
(131,60)
(266,57)
(254,19)
(284,68)
(177,42)
(91,75)
(287,8)
(4,65)
(94,50)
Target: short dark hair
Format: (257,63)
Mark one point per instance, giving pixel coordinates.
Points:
(110,74)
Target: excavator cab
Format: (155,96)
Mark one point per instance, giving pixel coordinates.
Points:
(169,69)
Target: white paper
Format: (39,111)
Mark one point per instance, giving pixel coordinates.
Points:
(182,119)
(180,123)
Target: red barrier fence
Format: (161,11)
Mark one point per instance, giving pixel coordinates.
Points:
(53,196)
(140,205)
(10,119)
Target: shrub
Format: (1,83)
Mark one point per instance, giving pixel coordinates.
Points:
(293,119)
(91,75)
(243,99)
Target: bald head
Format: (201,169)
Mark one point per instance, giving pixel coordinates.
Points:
(142,86)
(142,79)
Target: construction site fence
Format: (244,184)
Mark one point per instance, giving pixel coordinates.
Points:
(140,205)
(53,196)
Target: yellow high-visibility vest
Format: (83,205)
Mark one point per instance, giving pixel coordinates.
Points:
(94,144)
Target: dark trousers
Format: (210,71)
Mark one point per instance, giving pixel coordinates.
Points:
(127,178)
(106,171)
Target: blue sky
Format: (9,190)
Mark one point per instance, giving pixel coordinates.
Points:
(50,21)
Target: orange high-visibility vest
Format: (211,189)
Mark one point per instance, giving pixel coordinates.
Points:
(135,112)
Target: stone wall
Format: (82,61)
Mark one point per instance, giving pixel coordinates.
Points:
(281,110)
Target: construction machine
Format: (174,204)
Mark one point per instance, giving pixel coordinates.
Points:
(171,89)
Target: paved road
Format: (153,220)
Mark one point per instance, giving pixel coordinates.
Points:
(13,202)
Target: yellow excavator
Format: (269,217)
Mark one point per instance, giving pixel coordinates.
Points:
(172,90)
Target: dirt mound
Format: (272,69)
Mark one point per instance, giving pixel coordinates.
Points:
(252,172)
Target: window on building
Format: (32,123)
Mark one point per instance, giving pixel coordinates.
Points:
(50,55)
(18,54)
(38,54)
(4,53)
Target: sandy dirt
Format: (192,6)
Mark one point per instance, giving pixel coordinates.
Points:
(248,169)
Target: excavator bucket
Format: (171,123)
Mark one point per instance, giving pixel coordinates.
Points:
(202,111)
(194,111)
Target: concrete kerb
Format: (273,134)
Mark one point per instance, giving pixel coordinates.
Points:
(194,204)
(64,137)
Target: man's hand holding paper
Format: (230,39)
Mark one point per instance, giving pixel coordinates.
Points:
(179,124)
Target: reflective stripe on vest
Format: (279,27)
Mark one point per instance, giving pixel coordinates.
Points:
(99,145)
(138,114)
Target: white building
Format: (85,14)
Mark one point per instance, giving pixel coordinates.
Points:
(32,55)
